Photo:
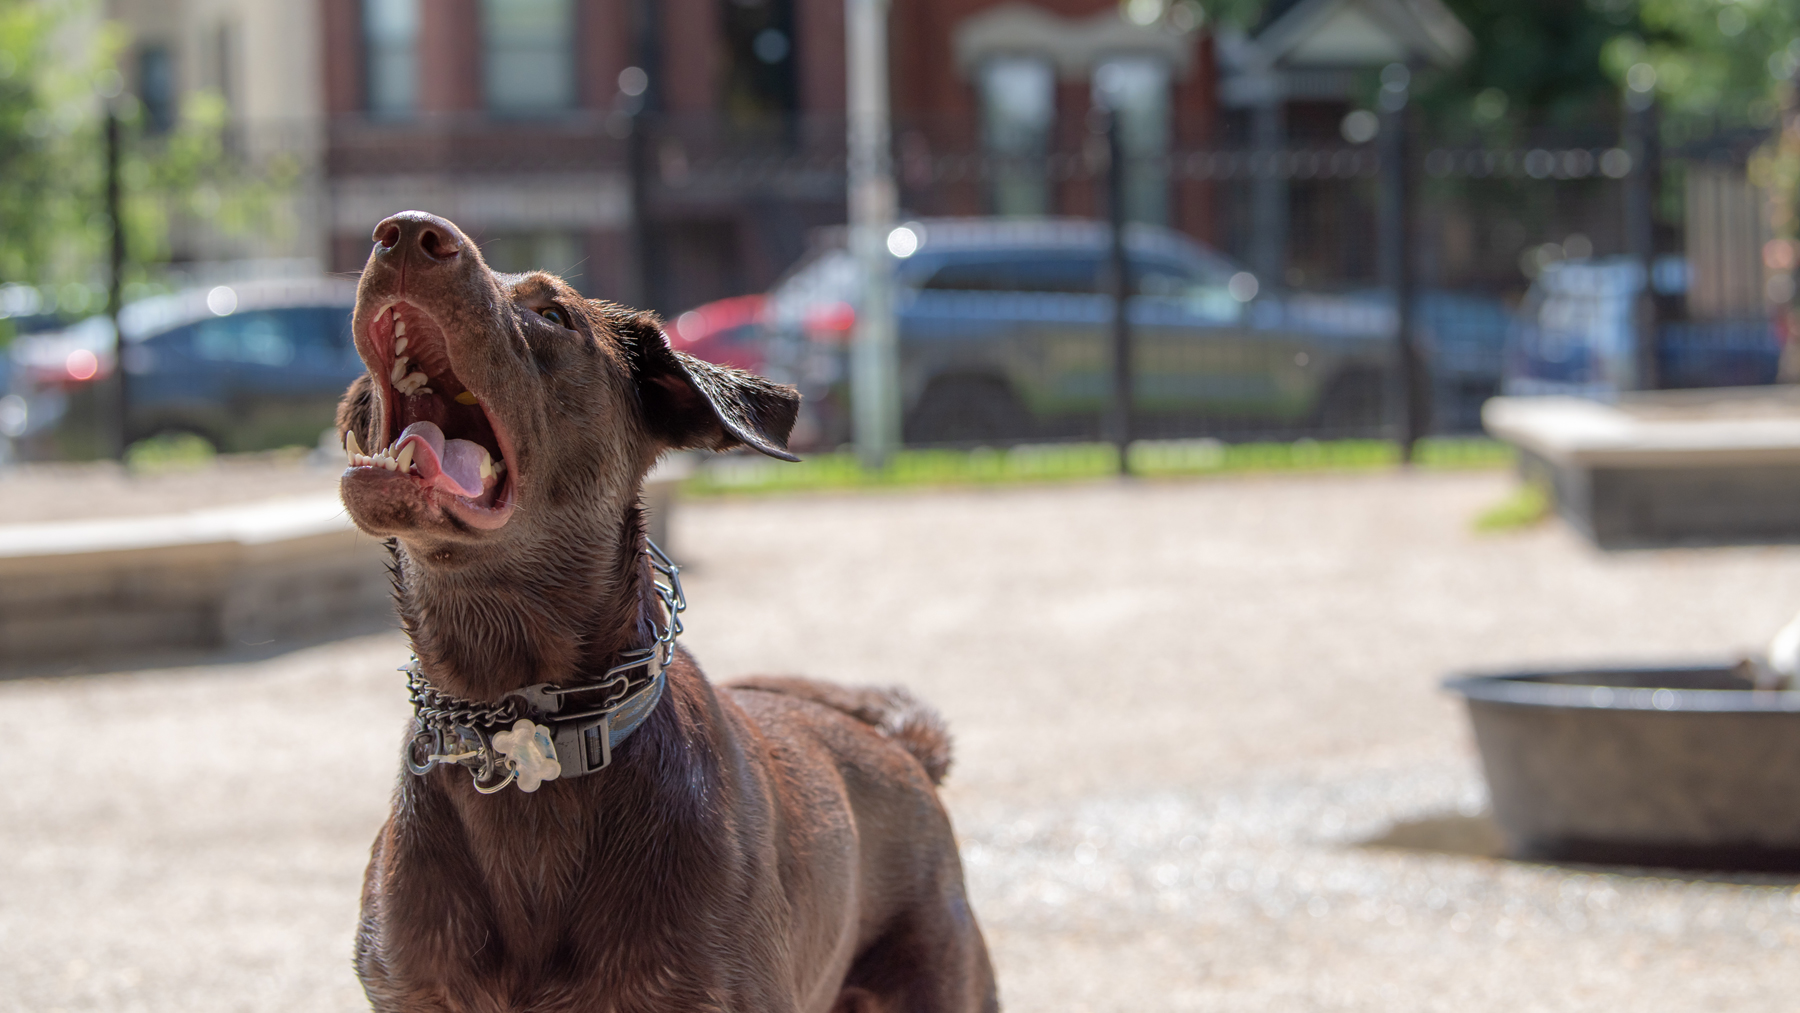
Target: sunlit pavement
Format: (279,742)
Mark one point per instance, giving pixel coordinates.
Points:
(1181,708)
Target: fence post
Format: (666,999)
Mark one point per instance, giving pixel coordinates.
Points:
(874,362)
(642,107)
(1640,225)
(121,388)
(1119,281)
(1269,191)
(1396,254)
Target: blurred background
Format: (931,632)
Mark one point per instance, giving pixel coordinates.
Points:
(1258,253)
(1346,219)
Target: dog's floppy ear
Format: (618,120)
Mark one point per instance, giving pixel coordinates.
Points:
(691,403)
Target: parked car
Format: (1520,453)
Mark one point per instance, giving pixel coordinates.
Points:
(1577,334)
(730,332)
(1004,335)
(247,366)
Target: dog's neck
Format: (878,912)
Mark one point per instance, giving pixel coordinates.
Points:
(486,627)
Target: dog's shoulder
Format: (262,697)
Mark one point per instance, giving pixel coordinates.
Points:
(891,711)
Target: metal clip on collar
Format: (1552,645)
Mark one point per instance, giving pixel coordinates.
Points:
(583,737)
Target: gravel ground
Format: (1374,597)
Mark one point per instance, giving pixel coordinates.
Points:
(1184,712)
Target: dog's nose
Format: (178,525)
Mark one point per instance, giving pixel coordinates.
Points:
(432,239)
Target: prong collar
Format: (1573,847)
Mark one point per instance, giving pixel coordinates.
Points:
(544,732)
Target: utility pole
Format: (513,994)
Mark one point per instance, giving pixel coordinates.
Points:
(874,359)
(640,96)
(1119,281)
(1396,255)
(1269,188)
(115,277)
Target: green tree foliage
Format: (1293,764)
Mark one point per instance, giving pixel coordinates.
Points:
(47,137)
(58,76)
(1727,63)
(1535,63)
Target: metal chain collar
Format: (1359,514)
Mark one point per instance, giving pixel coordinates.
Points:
(542,740)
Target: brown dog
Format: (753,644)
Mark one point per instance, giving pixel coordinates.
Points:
(649,842)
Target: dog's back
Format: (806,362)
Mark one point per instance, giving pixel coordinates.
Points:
(890,710)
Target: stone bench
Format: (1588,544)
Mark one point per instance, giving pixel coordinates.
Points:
(222,578)
(1664,467)
(225,577)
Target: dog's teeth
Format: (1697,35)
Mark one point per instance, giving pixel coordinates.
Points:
(417,379)
(399,344)
(500,467)
(399,370)
(399,328)
(423,390)
(350,445)
(396,314)
(487,464)
(406,456)
(466,397)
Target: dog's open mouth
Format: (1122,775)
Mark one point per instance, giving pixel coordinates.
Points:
(438,435)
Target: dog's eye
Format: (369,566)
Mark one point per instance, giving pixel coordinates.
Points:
(555,315)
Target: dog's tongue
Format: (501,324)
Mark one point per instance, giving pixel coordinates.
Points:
(426,431)
(462,465)
(452,465)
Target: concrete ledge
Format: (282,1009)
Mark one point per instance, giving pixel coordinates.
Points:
(1667,467)
(1663,429)
(211,578)
(278,570)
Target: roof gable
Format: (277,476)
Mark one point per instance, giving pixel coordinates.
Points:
(1350,33)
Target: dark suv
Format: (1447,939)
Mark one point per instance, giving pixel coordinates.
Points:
(247,366)
(1004,332)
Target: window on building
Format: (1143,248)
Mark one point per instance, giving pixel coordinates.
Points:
(225,56)
(560,253)
(391,46)
(156,87)
(1138,89)
(1018,109)
(760,83)
(528,57)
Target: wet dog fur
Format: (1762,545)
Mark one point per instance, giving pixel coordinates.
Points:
(773,845)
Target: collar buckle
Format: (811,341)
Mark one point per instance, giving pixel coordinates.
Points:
(585,746)
(583,735)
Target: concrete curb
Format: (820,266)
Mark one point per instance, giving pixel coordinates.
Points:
(281,569)
(214,578)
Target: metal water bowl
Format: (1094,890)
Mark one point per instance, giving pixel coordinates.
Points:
(1682,767)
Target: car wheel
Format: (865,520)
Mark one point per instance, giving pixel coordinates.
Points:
(1354,404)
(967,409)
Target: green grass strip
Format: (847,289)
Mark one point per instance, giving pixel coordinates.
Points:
(1063,462)
(1525,506)
(169,452)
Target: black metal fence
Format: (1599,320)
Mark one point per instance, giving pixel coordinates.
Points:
(1575,261)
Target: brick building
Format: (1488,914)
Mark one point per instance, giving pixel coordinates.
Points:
(513,117)
(667,152)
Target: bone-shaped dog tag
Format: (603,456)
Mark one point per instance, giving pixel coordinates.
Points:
(530,753)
